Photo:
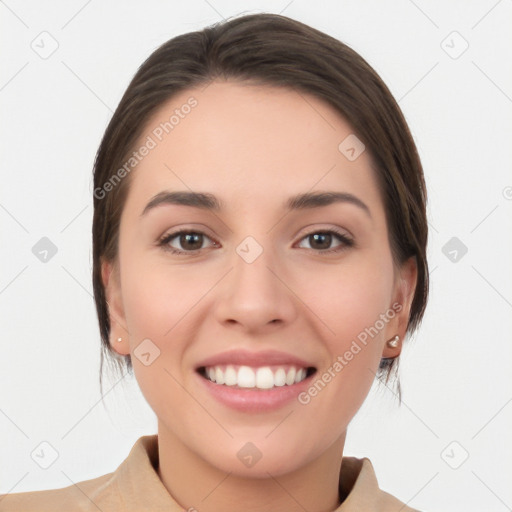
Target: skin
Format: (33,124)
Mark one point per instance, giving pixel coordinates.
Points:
(253,147)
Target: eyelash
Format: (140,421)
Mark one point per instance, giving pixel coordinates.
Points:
(344,239)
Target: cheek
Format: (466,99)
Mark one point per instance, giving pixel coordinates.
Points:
(158,297)
(348,298)
(158,304)
(162,303)
(349,301)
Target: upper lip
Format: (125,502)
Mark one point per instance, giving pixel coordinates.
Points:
(247,358)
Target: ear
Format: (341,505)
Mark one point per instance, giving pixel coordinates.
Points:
(403,294)
(111,281)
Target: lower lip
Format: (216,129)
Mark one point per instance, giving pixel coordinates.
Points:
(255,400)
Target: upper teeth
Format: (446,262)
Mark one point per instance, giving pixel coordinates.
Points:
(264,377)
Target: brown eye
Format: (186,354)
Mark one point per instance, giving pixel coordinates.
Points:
(184,241)
(321,241)
(191,241)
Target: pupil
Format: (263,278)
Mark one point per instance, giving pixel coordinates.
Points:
(190,238)
(320,238)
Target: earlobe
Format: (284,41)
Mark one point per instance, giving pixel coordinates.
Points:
(393,342)
(393,347)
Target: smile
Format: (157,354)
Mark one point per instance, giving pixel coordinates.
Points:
(263,377)
(254,381)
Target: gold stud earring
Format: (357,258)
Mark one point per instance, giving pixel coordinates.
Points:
(393,343)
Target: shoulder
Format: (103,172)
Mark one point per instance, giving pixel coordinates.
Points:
(359,485)
(79,497)
(390,503)
(130,488)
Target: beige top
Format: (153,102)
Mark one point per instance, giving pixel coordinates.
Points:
(136,487)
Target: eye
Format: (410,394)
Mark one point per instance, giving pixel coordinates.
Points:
(187,241)
(190,242)
(321,241)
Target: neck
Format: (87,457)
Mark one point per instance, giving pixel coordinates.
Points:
(197,485)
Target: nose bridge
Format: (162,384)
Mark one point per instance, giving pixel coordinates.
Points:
(251,267)
(253,296)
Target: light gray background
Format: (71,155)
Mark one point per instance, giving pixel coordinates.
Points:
(455,373)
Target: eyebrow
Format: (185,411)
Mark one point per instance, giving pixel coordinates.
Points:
(318,199)
(209,202)
(201,200)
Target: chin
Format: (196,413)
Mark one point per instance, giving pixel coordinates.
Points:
(259,458)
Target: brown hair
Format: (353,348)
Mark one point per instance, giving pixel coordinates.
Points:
(274,50)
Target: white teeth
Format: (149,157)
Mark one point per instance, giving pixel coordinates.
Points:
(290,376)
(262,378)
(230,376)
(300,375)
(246,377)
(280,377)
(219,376)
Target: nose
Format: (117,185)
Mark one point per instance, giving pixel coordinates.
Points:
(255,296)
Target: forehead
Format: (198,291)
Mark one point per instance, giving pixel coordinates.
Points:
(246,142)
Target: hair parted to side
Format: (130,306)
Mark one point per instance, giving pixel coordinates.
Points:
(274,50)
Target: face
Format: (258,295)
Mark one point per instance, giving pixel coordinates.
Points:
(289,303)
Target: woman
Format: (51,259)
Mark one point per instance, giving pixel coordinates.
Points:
(259,241)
